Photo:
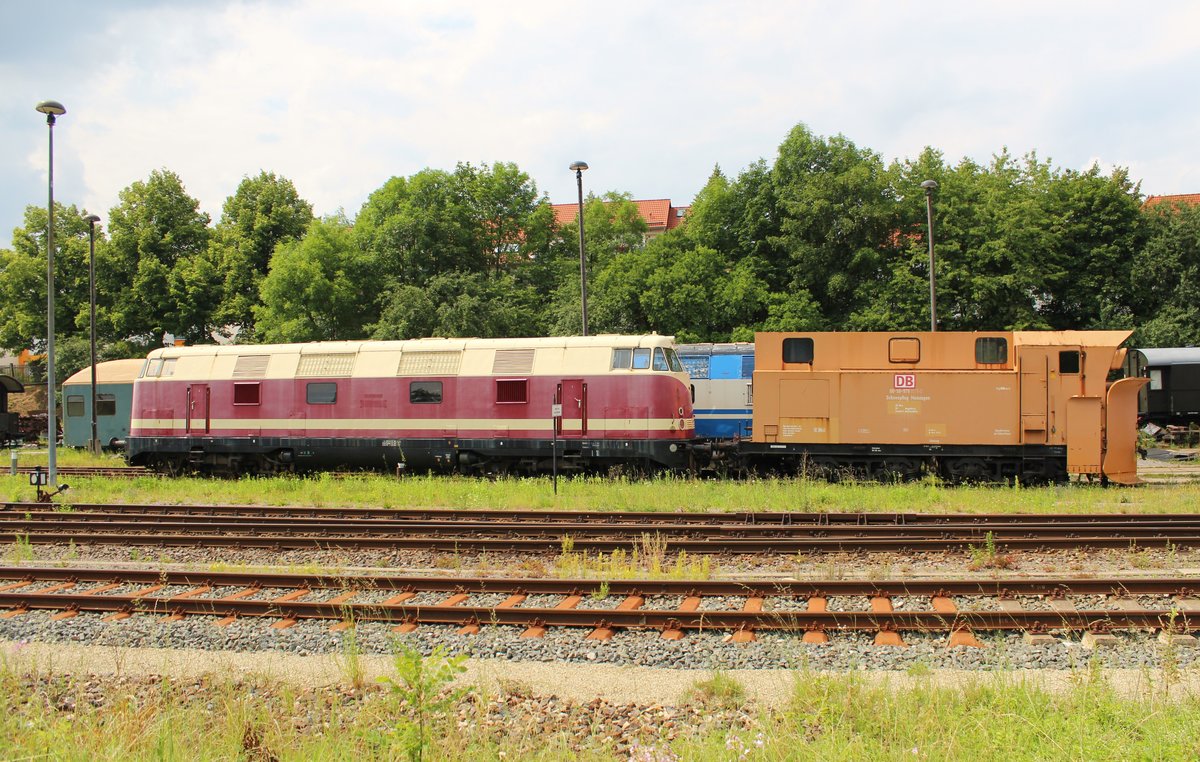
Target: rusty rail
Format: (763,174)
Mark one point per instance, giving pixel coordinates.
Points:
(235,594)
(298,529)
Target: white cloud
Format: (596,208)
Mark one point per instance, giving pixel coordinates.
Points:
(339,97)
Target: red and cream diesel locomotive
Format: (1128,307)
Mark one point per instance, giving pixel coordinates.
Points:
(470,405)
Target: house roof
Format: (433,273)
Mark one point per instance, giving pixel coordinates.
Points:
(1188,199)
(658,213)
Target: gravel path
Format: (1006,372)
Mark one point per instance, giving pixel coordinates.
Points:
(573,682)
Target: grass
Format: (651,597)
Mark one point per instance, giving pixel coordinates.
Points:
(662,493)
(826,717)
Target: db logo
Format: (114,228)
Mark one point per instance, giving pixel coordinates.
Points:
(905,381)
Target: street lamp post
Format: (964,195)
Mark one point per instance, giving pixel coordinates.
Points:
(94,442)
(51,109)
(577,167)
(930,186)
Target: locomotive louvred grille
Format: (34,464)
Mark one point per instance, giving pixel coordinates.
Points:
(512,361)
(251,366)
(429,364)
(339,364)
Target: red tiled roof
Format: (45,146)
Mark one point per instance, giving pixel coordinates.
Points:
(658,213)
(1189,199)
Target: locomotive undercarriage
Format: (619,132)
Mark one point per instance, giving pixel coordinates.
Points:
(232,456)
(890,463)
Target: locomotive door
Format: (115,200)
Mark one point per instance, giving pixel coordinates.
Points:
(199,406)
(572,395)
(1033,395)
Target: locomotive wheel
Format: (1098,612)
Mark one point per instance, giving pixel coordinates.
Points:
(897,470)
(968,470)
(167,465)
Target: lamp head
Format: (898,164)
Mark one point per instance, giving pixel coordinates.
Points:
(92,219)
(929,185)
(578,166)
(52,108)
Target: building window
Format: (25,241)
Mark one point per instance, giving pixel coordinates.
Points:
(74,406)
(321,393)
(798,350)
(512,390)
(425,392)
(991,351)
(106,404)
(1068,362)
(246,392)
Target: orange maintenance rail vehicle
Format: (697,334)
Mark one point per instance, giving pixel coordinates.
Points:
(989,406)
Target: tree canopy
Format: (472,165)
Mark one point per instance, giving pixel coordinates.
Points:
(823,236)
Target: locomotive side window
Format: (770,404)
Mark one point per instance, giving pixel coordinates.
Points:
(154,367)
(1156,383)
(512,390)
(904,350)
(106,404)
(168,368)
(641,359)
(798,350)
(696,365)
(246,392)
(75,406)
(660,360)
(321,393)
(622,358)
(991,351)
(425,392)
(1068,362)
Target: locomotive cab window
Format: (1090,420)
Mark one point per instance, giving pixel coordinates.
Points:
(660,360)
(106,404)
(641,359)
(512,390)
(673,360)
(991,351)
(246,392)
(1068,362)
(622,359)
(75,406)
(904,350)
(798,350)
(321,393)
(425,392)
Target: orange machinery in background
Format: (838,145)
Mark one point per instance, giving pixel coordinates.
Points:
(1031,405)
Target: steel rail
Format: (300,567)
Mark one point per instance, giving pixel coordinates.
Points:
(736,517)
(34,521)
(457,613)
(725,545)
(1184,586)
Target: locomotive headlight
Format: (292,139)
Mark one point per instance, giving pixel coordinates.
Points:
(680,412)
(674,448)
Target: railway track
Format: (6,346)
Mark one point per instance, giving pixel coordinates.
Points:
(816,608)
(129,472)
(292,528)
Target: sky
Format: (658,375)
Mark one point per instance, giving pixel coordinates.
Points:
(340,96)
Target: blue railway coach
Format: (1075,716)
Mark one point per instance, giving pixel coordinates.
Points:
(722,389)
